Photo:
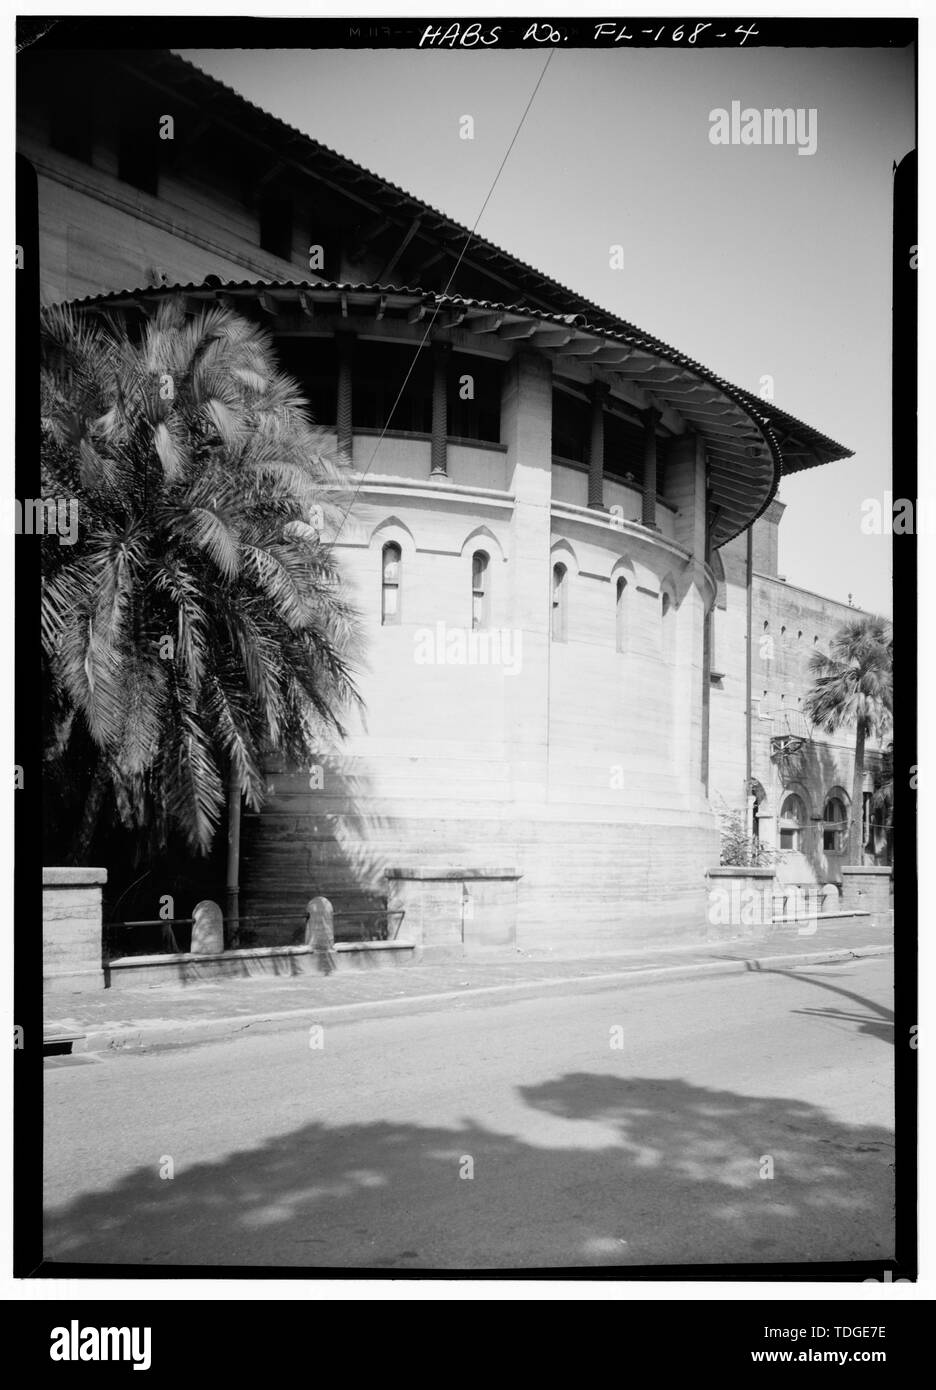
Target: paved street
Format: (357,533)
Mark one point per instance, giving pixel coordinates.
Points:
(606,1124)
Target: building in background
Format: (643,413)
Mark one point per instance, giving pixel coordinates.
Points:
(793,781)
(542,529)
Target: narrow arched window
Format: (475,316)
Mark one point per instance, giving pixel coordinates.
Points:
(620,614)
(480,590)
(391,570)
(834,817)
(559,602)
(792,822)
(666,632)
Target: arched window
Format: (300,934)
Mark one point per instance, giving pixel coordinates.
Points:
(620,615)
(480,592)
(792,822)
(834,817)
(559,602)
(391,568)
(666,636)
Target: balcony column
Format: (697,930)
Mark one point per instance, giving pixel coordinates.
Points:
(648,501)
(440,370)
(343,417)
(598,392)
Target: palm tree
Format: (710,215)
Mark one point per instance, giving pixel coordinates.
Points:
(198,622)
(853,687)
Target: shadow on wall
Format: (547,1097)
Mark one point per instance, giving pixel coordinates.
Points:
(811,773)
(622,1171)
(315,835)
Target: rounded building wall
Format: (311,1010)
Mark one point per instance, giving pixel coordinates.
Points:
(438,693)
(565,752)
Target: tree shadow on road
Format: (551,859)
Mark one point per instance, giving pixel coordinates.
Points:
(874,1020)
(607,1171)
(868,1025)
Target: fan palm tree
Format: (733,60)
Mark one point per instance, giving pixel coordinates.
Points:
(853,688)
(198,622)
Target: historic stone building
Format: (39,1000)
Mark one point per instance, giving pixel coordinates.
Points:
(541,531)
(793,780)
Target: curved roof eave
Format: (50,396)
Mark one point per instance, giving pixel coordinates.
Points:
(819,448)
(745,458)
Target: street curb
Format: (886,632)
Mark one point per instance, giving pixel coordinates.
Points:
(143,1037)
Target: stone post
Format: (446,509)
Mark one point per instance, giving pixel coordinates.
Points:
(740,903)
(320,933)
(71,929)
(867,888)
(207,929)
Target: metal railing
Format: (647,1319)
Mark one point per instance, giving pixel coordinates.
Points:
(173,935)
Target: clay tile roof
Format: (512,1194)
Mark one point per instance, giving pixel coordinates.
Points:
(223,101)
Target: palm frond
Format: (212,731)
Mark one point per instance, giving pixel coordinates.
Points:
(199,619)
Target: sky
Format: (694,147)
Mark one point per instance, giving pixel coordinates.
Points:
(753,259)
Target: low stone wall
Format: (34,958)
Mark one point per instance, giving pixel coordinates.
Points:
(71,929)
(749,904)
(132,972)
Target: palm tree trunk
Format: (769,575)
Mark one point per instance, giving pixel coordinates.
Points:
(855,837)
(232,886)
(81,844)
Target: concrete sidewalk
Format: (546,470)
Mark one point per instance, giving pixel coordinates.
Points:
(183,1015)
